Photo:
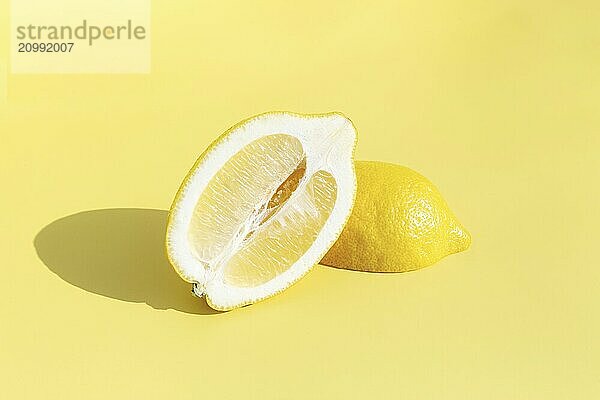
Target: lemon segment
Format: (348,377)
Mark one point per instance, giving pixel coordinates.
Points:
(230,199)
(286,237)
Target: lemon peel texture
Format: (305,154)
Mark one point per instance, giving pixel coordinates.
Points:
(399,222)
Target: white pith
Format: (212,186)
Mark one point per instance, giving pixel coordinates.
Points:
(328,143)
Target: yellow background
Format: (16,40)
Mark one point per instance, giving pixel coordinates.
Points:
(495,101)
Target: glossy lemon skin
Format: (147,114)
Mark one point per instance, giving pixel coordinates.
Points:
(399,222)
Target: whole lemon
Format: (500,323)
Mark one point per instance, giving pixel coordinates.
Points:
(399,222)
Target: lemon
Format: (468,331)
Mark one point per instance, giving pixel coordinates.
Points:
(262,205)
(399,222)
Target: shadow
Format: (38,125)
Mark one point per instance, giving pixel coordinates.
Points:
(117,253)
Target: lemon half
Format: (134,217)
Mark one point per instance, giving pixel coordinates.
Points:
(262,205)
(400,222)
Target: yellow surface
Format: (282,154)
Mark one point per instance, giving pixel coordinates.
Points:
(496,102)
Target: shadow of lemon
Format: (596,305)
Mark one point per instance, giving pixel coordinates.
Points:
(117,253)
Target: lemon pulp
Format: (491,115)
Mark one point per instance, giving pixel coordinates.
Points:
(260,212)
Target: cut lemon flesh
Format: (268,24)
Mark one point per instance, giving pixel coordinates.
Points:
(228,205)
(262,205)
(283,240)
